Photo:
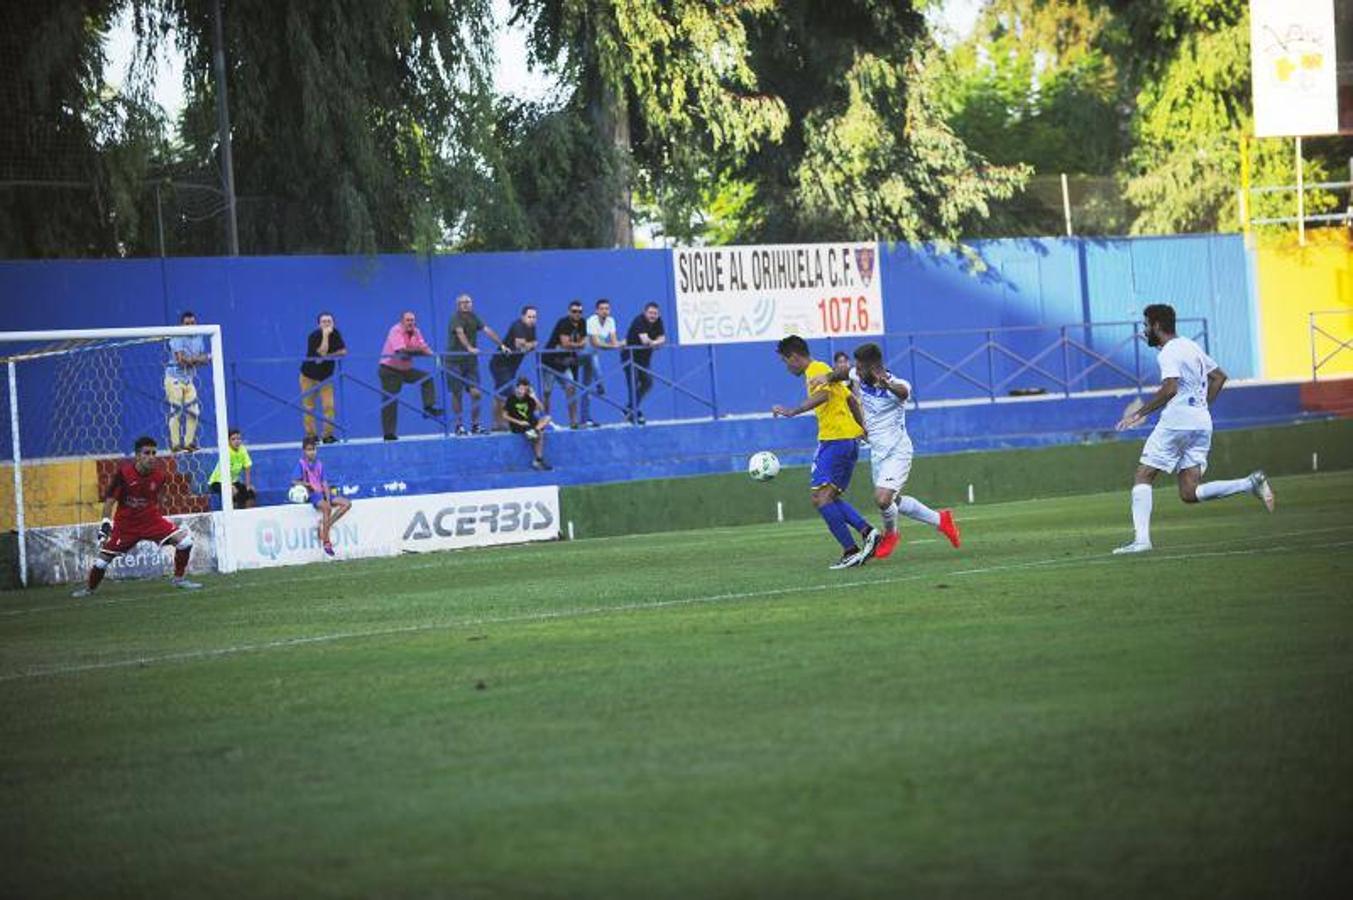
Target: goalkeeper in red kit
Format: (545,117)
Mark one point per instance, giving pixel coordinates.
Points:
(135,488)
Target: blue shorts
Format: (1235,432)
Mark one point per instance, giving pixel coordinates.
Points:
(834,463)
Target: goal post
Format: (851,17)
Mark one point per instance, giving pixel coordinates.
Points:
(76,400)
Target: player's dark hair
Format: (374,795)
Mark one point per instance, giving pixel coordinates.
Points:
(1161,314)
(601,300)
(652,306)
(234,431)
(144,441)
(309,442)
(524,380)
(840,355)
(186,315)
(527,308)
(793,344)
(322,315)
(575,303)
(869,353)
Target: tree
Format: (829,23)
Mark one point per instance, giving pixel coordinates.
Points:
(73,154)
(665,85)
(1187,67)
(347,117)
(868,152)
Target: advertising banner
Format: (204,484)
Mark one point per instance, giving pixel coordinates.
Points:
(1294,61)
(64,553)
(386,526)
(727,295)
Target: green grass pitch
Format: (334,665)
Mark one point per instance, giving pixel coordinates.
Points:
(710,714)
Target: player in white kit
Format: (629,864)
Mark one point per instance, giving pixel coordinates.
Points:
(882,398)
(1190,383)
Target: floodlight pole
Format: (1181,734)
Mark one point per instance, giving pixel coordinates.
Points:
(223,129)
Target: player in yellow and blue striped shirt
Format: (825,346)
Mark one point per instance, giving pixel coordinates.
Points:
(838,434)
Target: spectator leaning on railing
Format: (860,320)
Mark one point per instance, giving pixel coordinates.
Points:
(600,336)
(462,360)
(321,348)
(561,359)
(519,341)
(402,344)
(645,335)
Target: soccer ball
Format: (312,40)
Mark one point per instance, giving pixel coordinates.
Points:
(298,493)
(763,466)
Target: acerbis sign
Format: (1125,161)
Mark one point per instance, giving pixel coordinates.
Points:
(471,519)
(385,526)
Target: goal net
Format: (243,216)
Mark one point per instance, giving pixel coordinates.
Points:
(72,405)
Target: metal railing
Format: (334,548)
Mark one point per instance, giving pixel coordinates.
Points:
(981,363)
(1316,331)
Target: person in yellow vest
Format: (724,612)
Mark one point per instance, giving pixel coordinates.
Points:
(241,467)
(838,448)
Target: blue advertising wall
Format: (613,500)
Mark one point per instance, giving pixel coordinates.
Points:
(267,306)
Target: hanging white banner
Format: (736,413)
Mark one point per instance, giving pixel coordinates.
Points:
(728,295)
(1293,60)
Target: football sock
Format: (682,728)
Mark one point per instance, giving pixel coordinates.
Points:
(1141,512)
(831,513)
(96,573)
(174,427)
(915,509)
(852,517)
(1214,490)
(181,561)
(890,517)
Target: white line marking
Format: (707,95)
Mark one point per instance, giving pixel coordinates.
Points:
(192,655)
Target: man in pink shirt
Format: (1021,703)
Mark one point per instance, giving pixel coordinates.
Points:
(402,344)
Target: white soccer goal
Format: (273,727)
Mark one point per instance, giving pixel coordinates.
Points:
(75,401)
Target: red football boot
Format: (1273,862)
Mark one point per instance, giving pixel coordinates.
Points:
(948,527)
(887,545)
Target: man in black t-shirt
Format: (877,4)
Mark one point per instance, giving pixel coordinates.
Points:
(321,348)
(568,337)
(519,341)
(522,411)
(646,334)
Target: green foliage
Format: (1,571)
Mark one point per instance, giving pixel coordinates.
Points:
(551,185)
(72,154)
(884,163)
(1191,107)
(868,151)
(666,88)
(347,117)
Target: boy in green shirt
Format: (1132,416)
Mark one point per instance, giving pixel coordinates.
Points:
(240,468)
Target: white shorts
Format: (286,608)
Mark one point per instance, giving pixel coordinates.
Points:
(1173,450)
(891,467)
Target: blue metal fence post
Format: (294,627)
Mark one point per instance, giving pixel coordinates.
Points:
(1066,364)
(713,384)
(234,411)
(911,353)
(1137,356)
(991,369)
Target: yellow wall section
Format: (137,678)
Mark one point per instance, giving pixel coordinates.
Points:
(1294,281)
(57,493)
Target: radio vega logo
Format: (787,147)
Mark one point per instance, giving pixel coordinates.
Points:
(473,518)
